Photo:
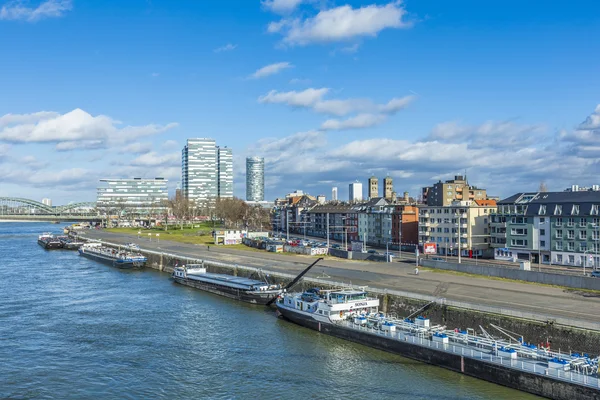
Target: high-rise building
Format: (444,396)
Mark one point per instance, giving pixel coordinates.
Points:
(388,188)
(355,191)
(334,194)
(47,202)
(225,172)
(206,170)
(373,187)
(255,179)
(137,196)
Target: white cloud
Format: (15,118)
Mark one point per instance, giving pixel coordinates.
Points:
(360,121)
(170,144)
(270,69)
(154,159)
(305,98)
(227,47)
(281,6)
(341,23)
(74,130)
(16,10)
(313,98)
(136,148)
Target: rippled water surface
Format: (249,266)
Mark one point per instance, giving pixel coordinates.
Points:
(74,328)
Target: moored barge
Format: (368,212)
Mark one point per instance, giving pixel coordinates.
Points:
(350,314)
(49,242)
(238,288)
(117,258)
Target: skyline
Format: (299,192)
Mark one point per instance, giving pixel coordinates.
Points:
(326,91)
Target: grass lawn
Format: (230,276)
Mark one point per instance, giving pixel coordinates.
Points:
(186,235)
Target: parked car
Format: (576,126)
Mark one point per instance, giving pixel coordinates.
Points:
(372,251)
(335,246)
(439,259)
(595,274)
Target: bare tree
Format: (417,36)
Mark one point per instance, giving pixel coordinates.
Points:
(232,211)
(181,208)
(543,187)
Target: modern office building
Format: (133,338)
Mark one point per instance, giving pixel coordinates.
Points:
(457,189)
(334,193)
(355,192)
(47,202)
(255,179)
(373,187)
(224,172)
(132,196)
(206,170)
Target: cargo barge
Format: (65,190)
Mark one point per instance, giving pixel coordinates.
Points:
(49,242)
(117,258)
(350,314)
(238,288)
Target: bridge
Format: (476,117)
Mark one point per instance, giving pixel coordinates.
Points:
(19,209)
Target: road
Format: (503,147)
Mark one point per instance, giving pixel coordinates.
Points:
(547,301)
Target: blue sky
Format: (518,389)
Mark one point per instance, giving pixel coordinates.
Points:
(327,91)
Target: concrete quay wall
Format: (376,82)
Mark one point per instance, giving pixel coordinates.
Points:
(571,281)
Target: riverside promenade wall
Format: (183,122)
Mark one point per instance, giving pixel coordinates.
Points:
(547,278)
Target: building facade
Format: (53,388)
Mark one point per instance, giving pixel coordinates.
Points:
(373,188)
(457,189)
(560,228)
(462,226)
(132,196)
(206,171)
(255,179)
(47,202)
(224,172)
(334,193)
(355,192)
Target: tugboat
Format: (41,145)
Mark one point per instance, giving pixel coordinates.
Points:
(116,258)
(252,291)
(49,242)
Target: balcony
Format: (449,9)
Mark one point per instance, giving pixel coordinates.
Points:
(425,233)
(425,215)
(463,226)
(464,235)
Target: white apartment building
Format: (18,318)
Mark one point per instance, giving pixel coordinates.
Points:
(225,172)
(463,225)
(355,192)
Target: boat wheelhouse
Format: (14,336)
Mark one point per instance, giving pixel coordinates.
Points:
(235,287)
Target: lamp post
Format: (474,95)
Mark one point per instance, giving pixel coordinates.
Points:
(287,223)
(585,259)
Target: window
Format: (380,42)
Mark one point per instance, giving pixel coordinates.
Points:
(485,210)
(583,222)
(558,210)
(518,231)
(542,210)
(571,222)
(583,235)
(559,246)
(485,231)
(583,246)
(542,220)
(571,259)
(571,234)
(559,258)
(575,210)
(558,222)
(594,210)
(454,220)
(542,243)
(485,220)
(571,246)
(447,230)
(439,230)
(519,242)
(542,232)
(439,220)
(446,211)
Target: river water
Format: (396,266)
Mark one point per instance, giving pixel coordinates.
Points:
(72,328)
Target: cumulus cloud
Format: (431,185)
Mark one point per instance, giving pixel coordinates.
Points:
(340,24)
(136,148)
(153,159)
(270,69)
(584,140)
(76,129)
(305,98)
(17,10)
(227,47)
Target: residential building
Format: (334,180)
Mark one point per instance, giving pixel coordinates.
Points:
(340,221)
(321,199)
(47,202)
(388,188)
(255,179)
(224,172)
(355,192)
(292,212)
(132,196)
(334,193)
(457,189)
(374,222)
(577,188)
(549,227)
(405,223)
(199,180)
(461,226)
(373,187)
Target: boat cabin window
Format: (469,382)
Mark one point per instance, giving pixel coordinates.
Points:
(346,297)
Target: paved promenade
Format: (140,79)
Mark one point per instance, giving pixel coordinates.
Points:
(549,302)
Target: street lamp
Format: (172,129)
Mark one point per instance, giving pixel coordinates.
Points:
(585,259)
